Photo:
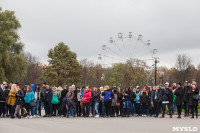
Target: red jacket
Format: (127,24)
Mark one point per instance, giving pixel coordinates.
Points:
(87,96)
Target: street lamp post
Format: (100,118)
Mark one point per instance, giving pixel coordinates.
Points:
(156,61)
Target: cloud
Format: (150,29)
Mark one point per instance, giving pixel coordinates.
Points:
(172,26)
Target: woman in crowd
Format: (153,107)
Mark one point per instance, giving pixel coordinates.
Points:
(96,99)
(29,98)
(144,102)
(179,92)
(86,101)
(55,101)
(12,99)
(19,102)
(70,103)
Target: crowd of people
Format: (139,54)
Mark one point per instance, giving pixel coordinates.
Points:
(71,101)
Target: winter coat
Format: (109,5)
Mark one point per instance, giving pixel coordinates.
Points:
(133,97)
(137,98)
(87,96)
(42,93)
(29,97)
(191,101)
(107,95)
(79,97)
(37,94)
(2,95)
(114,100)
(155,96)
(185,95)
(144,98)
(128,96)
(167,95)
(11,98)
(20,97)
(48,95)
(179,92)
(96,97)
(64,93)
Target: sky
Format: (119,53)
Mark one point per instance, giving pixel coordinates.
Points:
(173,26)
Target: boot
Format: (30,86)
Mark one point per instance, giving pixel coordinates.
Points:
(128,112)
(179,116)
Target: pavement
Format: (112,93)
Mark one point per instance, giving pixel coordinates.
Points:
(97,125)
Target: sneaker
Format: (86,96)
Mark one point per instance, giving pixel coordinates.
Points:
(153,115)
(27,116)
(34,116)
(31,117)
(97,116)
(145,115)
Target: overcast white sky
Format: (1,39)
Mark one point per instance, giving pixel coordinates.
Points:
(173,26)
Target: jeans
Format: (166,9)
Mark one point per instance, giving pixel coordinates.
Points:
(96,106)
(36,107)
(64,110)
(28,109)
(132,109)
(12,110)
(86,109)
(108,107)
(144,108)
(164,108)
(71,110)
(3,108)
(48,108)
(138,108)
(127,104)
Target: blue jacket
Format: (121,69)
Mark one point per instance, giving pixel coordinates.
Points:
(82,92)
(107,96)
(137,98)
(29,97)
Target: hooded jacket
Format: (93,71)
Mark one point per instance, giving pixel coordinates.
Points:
(87,96)
(179,92)
(29,97)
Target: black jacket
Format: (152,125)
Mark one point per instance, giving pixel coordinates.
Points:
(64,93)
(48,95)
(157,98)
(191,101)
(144,98)
(167,95)
(128,95)
(179,92)
(19,97)
(185,95)
(3,94)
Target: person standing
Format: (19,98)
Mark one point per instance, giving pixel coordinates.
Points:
(29,97)
(19,102)
(107,100)
(179,92)
(86,101)
(144,102)
(79,102)
(96,99)
(193,103)
(55,101)
(12,99)
(47,100)
(167,99)
(64,100)
(37,109)
(3,100)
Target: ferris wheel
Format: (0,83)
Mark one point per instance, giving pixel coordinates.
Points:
(126,47)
